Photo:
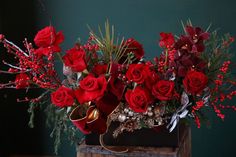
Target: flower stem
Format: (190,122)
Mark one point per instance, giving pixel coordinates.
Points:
(60,57)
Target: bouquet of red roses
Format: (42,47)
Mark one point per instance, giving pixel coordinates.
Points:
(108,79)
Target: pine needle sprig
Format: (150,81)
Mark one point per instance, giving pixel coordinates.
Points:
(112,48)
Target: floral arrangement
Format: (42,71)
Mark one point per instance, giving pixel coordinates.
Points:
(108,79)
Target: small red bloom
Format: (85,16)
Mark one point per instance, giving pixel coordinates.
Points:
(134,47)
(1,37)
(62,97)
(167,40)
(225,67)
(75,59)
(199,104)
(22,80)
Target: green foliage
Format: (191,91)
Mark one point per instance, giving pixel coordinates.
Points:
(112,48)
(56,119)
(215,51)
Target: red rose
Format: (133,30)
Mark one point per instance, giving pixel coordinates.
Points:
(75,59)
(91,88)
(134,47)
(167,40)
(62,97)
(48,36)
(151,77)
(194,82)
(22,80)
(138,99)
(99,69)
(116,87)
(46,51)
(136,73)
(164,90)
(48,41)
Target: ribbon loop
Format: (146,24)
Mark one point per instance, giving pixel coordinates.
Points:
(181,112)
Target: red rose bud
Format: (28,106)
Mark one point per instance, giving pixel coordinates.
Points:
(63,97)
(167,40)
(134,47)
(1,37)
(164,90)
(75,59)
(22,81)
(194,82)
(138,99)
(91,88)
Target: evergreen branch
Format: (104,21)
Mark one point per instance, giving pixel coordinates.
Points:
(112,52)
(32,114)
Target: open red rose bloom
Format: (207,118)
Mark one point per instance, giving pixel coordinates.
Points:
(105,81)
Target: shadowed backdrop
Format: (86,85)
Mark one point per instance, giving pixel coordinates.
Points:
(144,20)
(140,19)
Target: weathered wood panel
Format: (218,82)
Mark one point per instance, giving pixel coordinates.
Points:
(184,150)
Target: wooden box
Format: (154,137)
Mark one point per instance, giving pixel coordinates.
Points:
(142,137)
(183,150)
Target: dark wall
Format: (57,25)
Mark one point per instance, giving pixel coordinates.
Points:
(143,20)
(17,21)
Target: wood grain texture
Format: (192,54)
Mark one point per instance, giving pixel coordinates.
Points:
(31,156)
(184,150)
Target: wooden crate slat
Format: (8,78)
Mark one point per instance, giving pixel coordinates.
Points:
(97,151)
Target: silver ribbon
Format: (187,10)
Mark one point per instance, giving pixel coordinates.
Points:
(72,77)
(172,77)
(206,97)
(181,112)
(67,70)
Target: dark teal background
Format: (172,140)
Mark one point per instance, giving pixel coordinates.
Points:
(143,20)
